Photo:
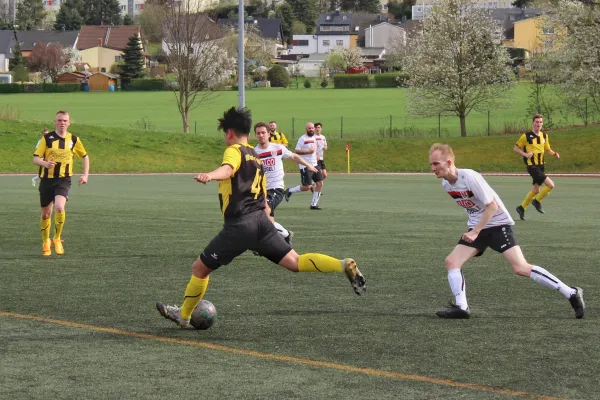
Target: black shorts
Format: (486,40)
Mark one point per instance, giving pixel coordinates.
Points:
(52,187)
(307,178)
(274,197)
(253,231)
(498,238)
(321,164)
(537,173)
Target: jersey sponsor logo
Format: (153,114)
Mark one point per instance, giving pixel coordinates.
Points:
(467,203)
(461,195)
(269,162)
(273,153)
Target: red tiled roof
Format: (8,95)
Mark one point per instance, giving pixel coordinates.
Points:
(114,37)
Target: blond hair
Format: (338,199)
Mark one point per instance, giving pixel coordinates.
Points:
(444,149)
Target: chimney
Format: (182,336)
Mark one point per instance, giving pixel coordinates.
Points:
(99,42)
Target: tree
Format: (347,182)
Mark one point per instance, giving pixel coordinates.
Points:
(401,8)
(456,64)
(339,60)
(151,20)
(278,76)
(298,28)
(48,59)
(68,18)
(133,61)
(98,12)
(30,14)
(193,45)
(360,6)
(257,49)
(573,59)
(285,13)
(18,58)
(127,20)
(305,12)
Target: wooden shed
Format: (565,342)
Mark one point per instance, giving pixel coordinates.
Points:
(102,81)
(71,77)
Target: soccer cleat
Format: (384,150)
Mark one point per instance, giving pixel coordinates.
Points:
(58,247)
(357,280)
(289,238)
(454,312)
(521,212)
(315,208)
(172,313)
(577,302)
(46,248)
(538,206)
(287,194)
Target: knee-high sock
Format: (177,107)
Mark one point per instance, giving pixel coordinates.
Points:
(543,193)
(194,292)
(458,286)
(315,199)
(528,199)
(295,189)
(545,278)
(315,262)
(282,231)
(59,223)
(45,228)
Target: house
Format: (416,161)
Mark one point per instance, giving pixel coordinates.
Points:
(268,28)
(102,81)
(5,49)
(72,77)
(423,8)
(28,39)
(314,65)
(381,35)
(531,35)
(102,46)
(204,30)
(336,30)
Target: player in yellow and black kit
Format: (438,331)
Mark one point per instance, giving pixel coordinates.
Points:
(242,194)
(275,136)
(54,154)
(532,146)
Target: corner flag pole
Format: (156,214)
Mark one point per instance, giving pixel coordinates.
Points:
(348,155)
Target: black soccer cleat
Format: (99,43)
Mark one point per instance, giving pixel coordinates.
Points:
(538,206)
(521,212)
(453,311)
(577,302)
(315,208)
(287,194)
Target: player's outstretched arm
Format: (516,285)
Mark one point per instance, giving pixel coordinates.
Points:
(300,160)
(219,174)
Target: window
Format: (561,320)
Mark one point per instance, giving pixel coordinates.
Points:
(335,28)
(123,8)
(118,58)
(300,42)
(339,42)
(325,42)
(547,30)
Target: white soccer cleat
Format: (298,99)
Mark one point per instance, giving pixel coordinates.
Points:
(172,313)
(357,280)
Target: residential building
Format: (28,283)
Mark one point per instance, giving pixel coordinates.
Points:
(102,46)
(381,35)
(532,35)
(267,28)
(28,39)
(423,8)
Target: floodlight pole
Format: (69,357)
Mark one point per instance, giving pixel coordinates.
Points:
(241,80)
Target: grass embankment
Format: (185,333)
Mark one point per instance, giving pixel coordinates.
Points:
(127,150)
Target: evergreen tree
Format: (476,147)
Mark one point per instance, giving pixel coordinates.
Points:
(98,12)
(133,66)
(30,14)
(127,20)
(305,12)
(18,58)
(401,8)
(286,14)
(369,6)
(68,18)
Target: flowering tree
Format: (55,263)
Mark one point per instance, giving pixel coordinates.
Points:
(341,59)
(48,59)
(456,64)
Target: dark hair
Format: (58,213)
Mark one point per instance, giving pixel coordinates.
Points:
(44,131)
(260,125)
(536,116)
(318,124)
(237,119)
(272,122)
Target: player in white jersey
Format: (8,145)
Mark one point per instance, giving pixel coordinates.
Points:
(490,225)
(307,148)
(321,148)
(272,155)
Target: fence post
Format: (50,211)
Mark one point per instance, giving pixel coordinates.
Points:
(439,124)
(293,131)
(390,125)
(586,113)
(195,126)
(341,127)
(488,122)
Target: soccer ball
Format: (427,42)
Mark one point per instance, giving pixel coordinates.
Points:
(204,315)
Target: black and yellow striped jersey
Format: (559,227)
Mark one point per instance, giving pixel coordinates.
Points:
(52,147)
(537,144)
(245,191)
(278,138)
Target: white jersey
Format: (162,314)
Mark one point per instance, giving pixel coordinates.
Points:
(305,143)
(472,192)
(321,143)
(271,158)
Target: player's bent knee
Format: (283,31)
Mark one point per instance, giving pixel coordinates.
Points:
(451,263)
(200,270)
(290,261)
(550,183)
(522,269)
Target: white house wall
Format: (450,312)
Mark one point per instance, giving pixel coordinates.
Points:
(319,43)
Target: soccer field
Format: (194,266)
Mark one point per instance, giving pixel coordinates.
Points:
(84,325)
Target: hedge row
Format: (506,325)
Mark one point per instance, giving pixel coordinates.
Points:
(40,88)
(353,81)
(145,84)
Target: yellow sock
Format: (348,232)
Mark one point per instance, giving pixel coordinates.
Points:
(528,199)
(45,228)
(59,223)
(543,193)
(315,262)
(193,294)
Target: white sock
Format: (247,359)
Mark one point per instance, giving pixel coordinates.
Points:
(282,231)
(458,287)
(315,199)
(295,189)
(545,278)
